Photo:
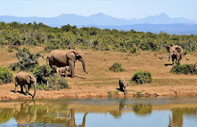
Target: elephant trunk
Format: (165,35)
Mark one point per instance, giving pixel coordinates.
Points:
(83,65)
(34,84)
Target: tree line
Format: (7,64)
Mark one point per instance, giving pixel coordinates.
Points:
(70,37)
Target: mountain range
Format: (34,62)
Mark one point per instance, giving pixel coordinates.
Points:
(157,23)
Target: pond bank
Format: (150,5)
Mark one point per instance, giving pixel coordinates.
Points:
(6,92)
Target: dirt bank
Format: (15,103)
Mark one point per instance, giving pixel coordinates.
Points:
(6,92)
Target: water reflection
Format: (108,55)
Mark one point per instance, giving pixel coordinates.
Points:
(142,109)
(65,113)
(177,116)
(42,113)
(5,115)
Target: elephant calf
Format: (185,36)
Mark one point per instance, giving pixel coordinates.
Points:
(63,71)
(123,84)
(25,79)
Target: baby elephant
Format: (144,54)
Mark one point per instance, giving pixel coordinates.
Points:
(123,84)
(25,79)
(62,71)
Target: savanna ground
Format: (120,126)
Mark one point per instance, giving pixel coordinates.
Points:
(100,82)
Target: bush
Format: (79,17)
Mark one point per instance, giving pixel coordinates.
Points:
(63,83)
(48,79)
(6,75)
(41,73)
(141,77)
(49,48)
(26,60)
(142,110)
(116,67)
(184,69)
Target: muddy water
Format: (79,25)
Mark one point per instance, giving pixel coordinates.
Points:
(149,112)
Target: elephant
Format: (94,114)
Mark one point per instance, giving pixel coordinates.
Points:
(25,79)
(26,114)
(123,84)
(62,58)
(175,52)
(63,71)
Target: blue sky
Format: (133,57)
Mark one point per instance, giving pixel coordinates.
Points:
(117,8)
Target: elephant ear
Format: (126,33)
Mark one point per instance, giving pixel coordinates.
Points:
(28,79)
(71,55)
(178,49)
(168,48)
(77,54)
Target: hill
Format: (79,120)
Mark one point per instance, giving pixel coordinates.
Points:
(153,24)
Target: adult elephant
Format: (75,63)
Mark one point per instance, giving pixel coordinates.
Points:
(175,52)
(25,79)
(62,58)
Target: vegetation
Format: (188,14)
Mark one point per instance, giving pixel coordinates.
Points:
(48,79)
(6,115)
(116,113)
(6,75)
(116,67)
(142,77)
(16,34)
(184,69)
(142,110)
(26,60)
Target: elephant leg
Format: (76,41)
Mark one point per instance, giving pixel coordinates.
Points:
(178,58)
(26,89)
(121,88)
(21,89)
(16,85)
(124,90)
(71,64)
(172,60)
(29,86)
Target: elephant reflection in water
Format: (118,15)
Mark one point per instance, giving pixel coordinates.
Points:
(26,114)
(71,121)
(46,114)
(140,109)
(118,113)
(177,116)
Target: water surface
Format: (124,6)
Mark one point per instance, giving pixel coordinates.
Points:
(147,112)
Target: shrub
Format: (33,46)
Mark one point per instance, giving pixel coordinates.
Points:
(41,73)
(26,60)
(116,67)
(48,79)
(6,75)
(49,48)
(141,77)
(184,69)
(63,83)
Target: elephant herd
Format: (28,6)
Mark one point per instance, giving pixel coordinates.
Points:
(60,58)
(63,59)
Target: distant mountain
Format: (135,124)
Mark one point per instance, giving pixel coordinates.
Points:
(151,23)
(99,19)
(178,29)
